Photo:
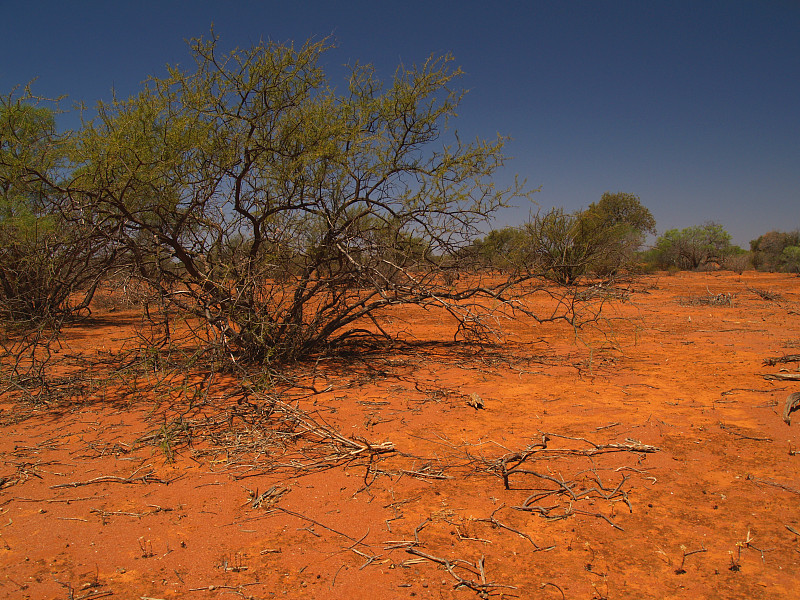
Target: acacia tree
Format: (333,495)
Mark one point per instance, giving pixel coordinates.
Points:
(48,269)
(616,227)
(282,213)
(776,251)
(601,240)
(693,247)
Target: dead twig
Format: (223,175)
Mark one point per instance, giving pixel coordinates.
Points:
(482,587)
(732,431)
(782,359)
(147,478)
(495,523)
(782,376)
(774,484)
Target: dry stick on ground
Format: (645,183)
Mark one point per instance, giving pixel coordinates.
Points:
(782,376)
(370,558)
(541,449)
(733,390)
(782,359)
(574,491)
(146,478)
(774,484)
(315,522)
(497,523)
(732,431)
(680,570)
(482,588)
(546,583)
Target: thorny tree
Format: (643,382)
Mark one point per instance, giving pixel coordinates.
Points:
(282,213)
(48,269)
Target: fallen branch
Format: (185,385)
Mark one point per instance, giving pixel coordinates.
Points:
(148,478)
(782,359)
(732,431)
(522,534)
(482,588)
(782,376)
(515,459)
(792,403)
(773,484)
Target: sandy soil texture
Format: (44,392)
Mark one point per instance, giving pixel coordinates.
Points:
(647,458)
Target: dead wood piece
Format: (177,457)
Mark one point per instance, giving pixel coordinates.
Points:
(782,376)
(94,595)
(495,523)
(774,484)
(315,522)
(425,474)
(482,588)
(515,459)
(733,390)
(782,359)
(742,436)
(148,478)
(269,498)
(792,404)
(475,401)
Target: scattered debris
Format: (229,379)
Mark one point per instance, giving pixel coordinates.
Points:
(475,401)
(792,404)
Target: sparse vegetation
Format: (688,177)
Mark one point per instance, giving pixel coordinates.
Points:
(51,261)
(777,251)
(283,215)
(600,241)
(694,248)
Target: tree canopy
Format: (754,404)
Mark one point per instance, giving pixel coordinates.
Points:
(693,247)
(43,259)
(282,213)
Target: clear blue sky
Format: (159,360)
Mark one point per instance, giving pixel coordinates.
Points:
(692,105)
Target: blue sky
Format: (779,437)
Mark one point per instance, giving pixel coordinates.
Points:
(692,105)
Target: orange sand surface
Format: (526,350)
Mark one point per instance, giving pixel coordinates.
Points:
(645,458)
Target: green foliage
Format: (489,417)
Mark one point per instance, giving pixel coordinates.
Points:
(601,240)
(43,261)
(790,259)
(559,245)
(617,226)
(505,249)
(281,212)
(622,211)
(693,247)
(772,251)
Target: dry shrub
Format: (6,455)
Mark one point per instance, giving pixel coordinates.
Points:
(723,299)
(766,294)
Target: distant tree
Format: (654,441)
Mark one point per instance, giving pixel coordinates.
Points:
(790,259)
(622,210)
(768,250)
(693,247)
(617,226)
(737,260)
(601,240)
(502,249)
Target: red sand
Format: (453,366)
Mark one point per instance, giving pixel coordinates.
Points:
(723,488)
